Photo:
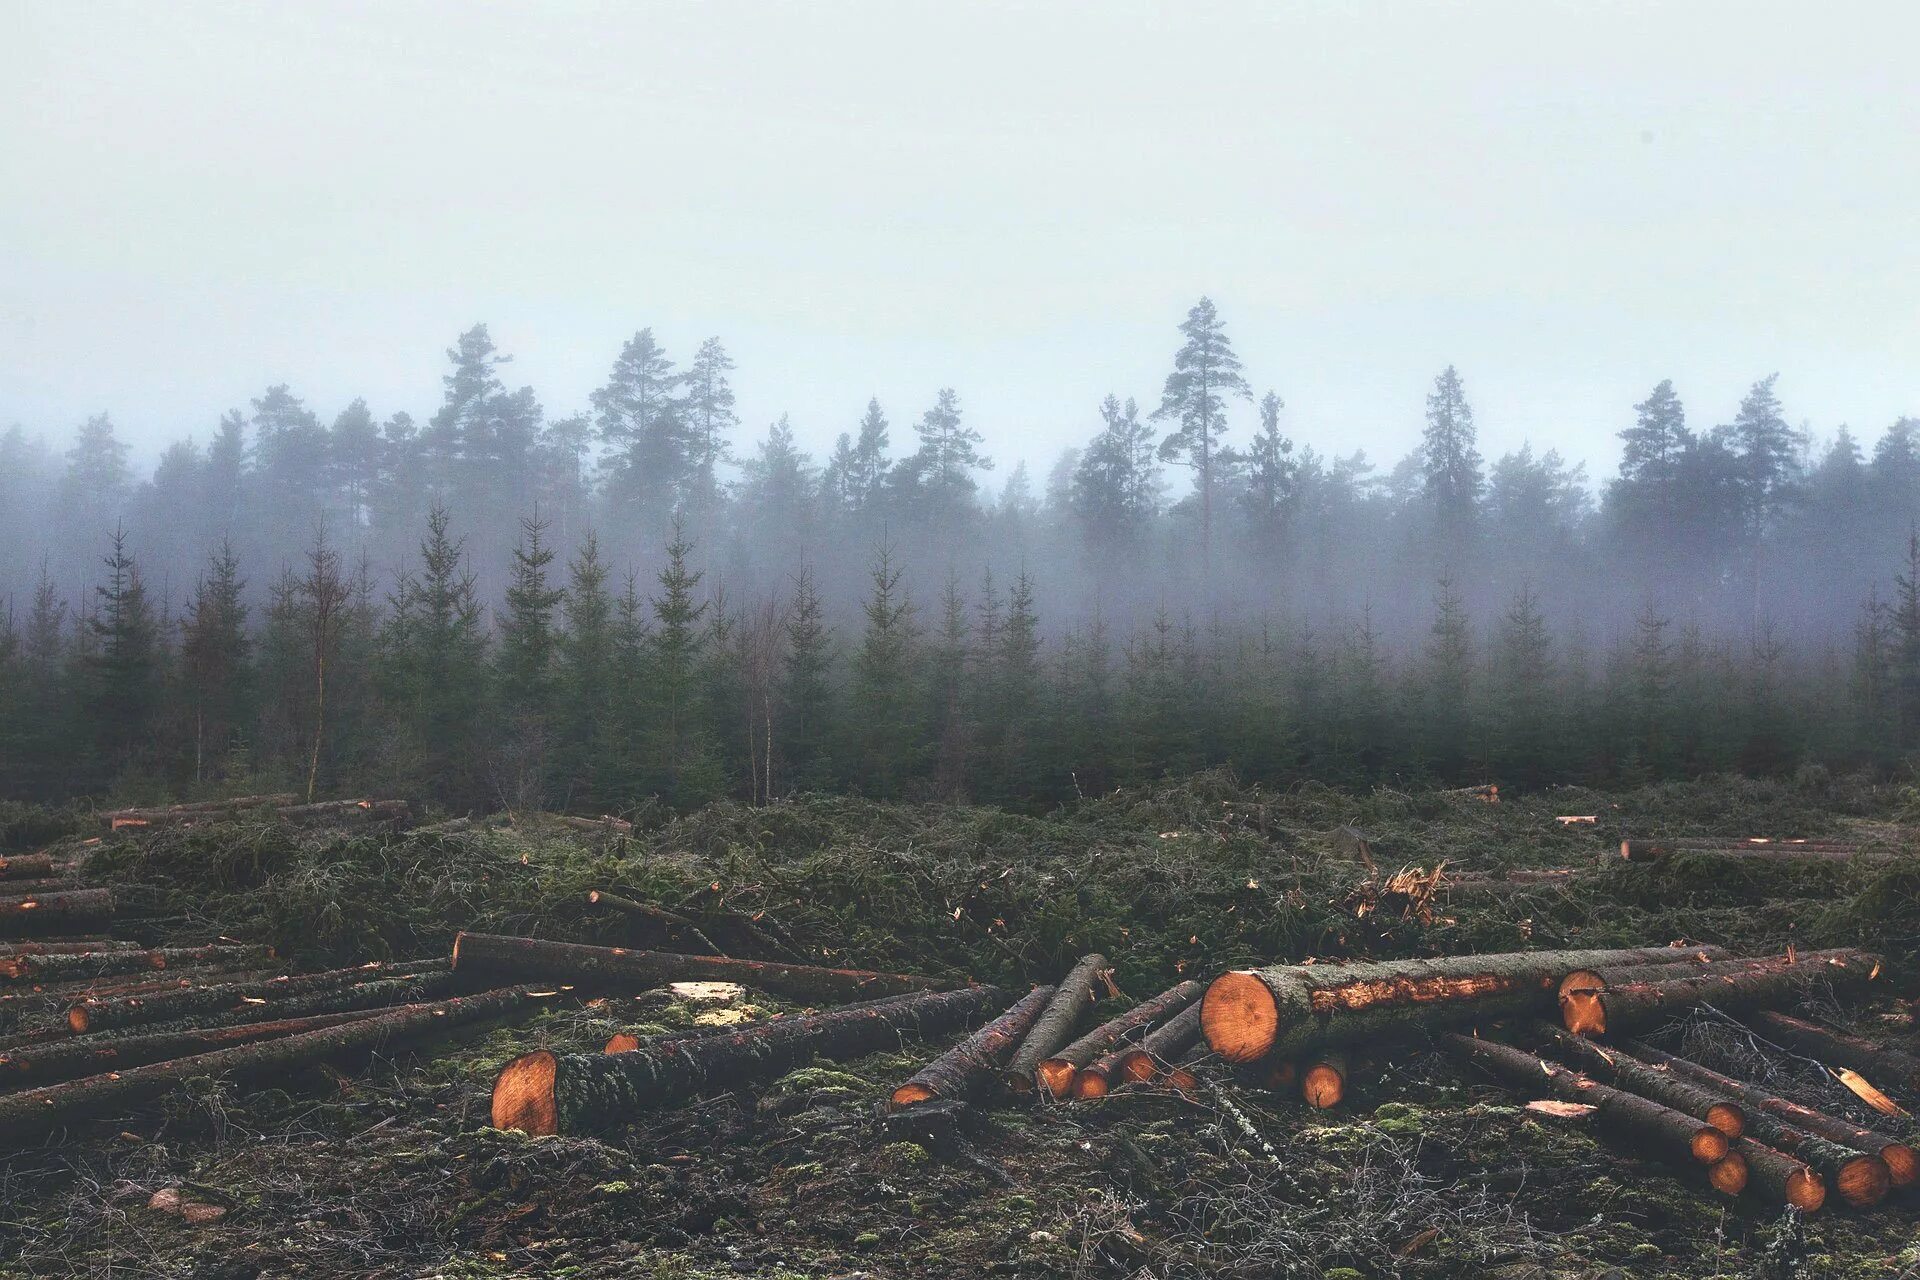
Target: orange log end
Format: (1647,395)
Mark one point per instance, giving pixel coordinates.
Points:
(623,1042)
(1090,1084)
(1806,1190)
(1584,1013)
(1863,1181)
(908,1094)
(1239,1017)
(1323,1086)
(1727,1118)
(1710,1146)
(1729,1174)
(523,1096)
(1903,1167)
(1057,1077)
(1137,1065)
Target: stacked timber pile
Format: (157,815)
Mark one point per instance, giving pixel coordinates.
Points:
(283,807)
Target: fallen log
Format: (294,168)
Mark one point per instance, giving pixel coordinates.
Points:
(1056,1072)
(69,1059)
(1631,1006)
(619,966)
(606,824)
(1324,1083)
(1779,1178)
(1730,1173)
(50,912)
(1078,992)
(1640,1122)
(1290,1009)
(1783,1123)
(1591,980)
(115,819)
(124,1011)
(546,1092)
(27,866)
(35,1111)
(1614,1067)
(344,812)
(965,1070)
(55,947)
(1142,1063)
(1878,1063)
(55,968)
(671,921)
(1656,850)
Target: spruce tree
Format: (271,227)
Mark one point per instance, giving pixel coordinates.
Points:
(216,678)
(123,674)
(1524,697)
(1450,746)
(586,712)
(1268,498)
(952,708)
(1450,463)
(885,723)
(806,690)
(640,420)
(436,653)
(682,766)
(708,410)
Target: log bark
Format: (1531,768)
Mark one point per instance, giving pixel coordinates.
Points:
(1615,1067)
(1324,1082)
(56,968)
(1656,850)
(1641,1123)
(1860,1163)
(344,812)
(546,1092)
(115,819)
(1057,1071)
(1290,1009)
(1114,1041)
(672,922)
(1634,1005)
(72,909)
(31,1066)
(51,947)
(1882,1065)
(36,1111)
(533,958)
(965,1070)
(1592,980)
(1147,1061)
(1078,992)
(27,866)
(1779,1178)
(126,1011)
(606,825)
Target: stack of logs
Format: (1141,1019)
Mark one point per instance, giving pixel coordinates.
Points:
(283,807)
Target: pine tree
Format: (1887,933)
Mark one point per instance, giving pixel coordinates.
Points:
(641,423)
(806,691)
(885,721)
(1115,486)
(1205,372)
(1650,450)
(1269,494)
(124,670)
(949,454)
(214,659)
(1450,462)
(708,410)
(1765,444)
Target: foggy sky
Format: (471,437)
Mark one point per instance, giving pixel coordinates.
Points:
(1569,202)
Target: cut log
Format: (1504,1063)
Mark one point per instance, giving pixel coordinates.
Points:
(603,825)
(174,814)
(1144,1062)
(1634,1005)
(71,910)
(1861,1163)
(27,866)
(56,968)
(51,947)
(1656,850)
(1729,1174)
(344,812)
(965,1070)
(1640,1122)
(1779,1178)
(1290,1009)
(526,958)
(126,1011)
(675,924)
(1056,1072)
(1877,1063)
(69,1059)
(1184,1075)
(1078,992)
(1588,981)
(1615,1067)
(1324,1083)
(546,1092)
(35,1111)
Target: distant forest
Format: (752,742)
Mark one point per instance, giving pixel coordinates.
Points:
(627,605)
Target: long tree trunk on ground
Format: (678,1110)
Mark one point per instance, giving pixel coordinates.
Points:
(1640,1122)
(1288,1009)
(1598,979)
(1144,1062)
(57,968)
(50,1063)
(73,909)
(620,967)
(345,812)
(673,923)
(1877,1063)
(36,1111)
(1779,1178)
(49,947)
(1078,992)
(1634,1005)
(26,866)
(546,1092)
(1057,1071)
(1657,850)
(966,1069)
(127,1011)
(54,999)
(114,819)
(1836,1147)
(1614,1067)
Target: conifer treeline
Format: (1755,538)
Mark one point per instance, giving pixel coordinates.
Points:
(496,606)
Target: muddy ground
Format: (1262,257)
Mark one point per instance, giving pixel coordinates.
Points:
(1429,1171)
